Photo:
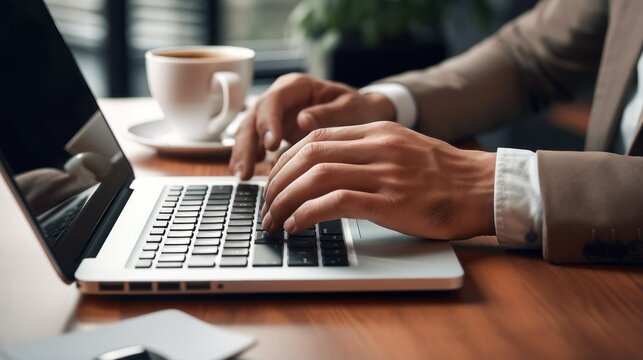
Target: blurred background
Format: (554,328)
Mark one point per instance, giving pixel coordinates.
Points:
(355,42)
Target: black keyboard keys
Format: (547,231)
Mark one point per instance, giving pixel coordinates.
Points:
(302,257)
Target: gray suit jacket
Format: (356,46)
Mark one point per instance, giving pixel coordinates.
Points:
(549,54)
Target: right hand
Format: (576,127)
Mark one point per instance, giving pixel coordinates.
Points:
(295,105)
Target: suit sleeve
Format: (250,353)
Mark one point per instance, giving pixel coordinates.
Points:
(547,54)
(592,206)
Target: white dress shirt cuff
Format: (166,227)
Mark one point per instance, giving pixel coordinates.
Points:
(401,98)
(518,206)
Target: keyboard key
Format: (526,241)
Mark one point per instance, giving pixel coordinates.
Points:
(166,211)
(187,214)
(189,208)
(330,227)
(208,234)
(200,194)
(183,227)
(247,187)
(154,239)
(219,196)
(302,242)
(169,204)
(143,264)
(147,255)
(235,252)
(333,244)
(174,193)
(335,261)
(216,208)
(205,250)
(221,189)
(163,217)
(240,223)
(172,258)
(198,198)
(245,199)
(234,261)
(238,210)
(213,220)
(213,202)
(214,214)
(179,234)
(176,187)
(331,238)
(175,249)
(236,244)
(307,233)
(177,241)
(169,265)
(197,187)
(191,203)
(239,229)
(241,216)
(302,258)
(264,237)
(268,255)
(210,227)
(150,247)
(157,231)
(243,204)
(188,220)
(171,199)
(334,252)
(207,242)
(201,261)
(238,237)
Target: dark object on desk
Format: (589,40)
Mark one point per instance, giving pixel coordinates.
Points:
(136,352)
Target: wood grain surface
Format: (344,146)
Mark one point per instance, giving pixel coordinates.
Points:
(513,305)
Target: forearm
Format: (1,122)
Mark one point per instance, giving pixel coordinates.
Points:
(546,55)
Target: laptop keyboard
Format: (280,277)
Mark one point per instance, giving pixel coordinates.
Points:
(200,226)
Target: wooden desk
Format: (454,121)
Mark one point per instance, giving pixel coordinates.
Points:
(512,305)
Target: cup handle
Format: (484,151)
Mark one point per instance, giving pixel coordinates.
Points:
(230,84)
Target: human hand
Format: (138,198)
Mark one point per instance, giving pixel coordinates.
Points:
(385,173)
(295,105)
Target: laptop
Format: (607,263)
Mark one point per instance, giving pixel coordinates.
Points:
(113,233)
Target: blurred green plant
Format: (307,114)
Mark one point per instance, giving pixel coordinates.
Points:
(372,21)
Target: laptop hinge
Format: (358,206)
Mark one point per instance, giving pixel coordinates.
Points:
(107,222)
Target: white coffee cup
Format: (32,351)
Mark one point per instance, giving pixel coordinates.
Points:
(200,88)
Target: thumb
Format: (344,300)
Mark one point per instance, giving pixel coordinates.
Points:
(334,113)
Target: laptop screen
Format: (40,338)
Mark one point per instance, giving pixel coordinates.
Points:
(57,150)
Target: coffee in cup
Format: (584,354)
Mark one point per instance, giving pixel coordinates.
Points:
(200,88)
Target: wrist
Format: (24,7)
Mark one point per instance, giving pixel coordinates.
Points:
(381,107)
(483,193)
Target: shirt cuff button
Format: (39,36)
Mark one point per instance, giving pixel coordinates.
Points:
(531,237)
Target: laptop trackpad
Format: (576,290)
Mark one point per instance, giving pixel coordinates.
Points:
(382,242)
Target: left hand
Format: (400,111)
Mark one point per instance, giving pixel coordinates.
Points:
(385,173)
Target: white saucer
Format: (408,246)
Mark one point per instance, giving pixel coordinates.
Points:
(158,135)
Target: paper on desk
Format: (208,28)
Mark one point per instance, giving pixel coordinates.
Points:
(170,333)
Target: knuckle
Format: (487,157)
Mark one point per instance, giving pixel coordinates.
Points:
(317,134)
(310,151)
(321,171)
(342,199)
(392,141)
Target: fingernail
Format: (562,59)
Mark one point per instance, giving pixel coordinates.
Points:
(267,222)
(268,138)
(290,225)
